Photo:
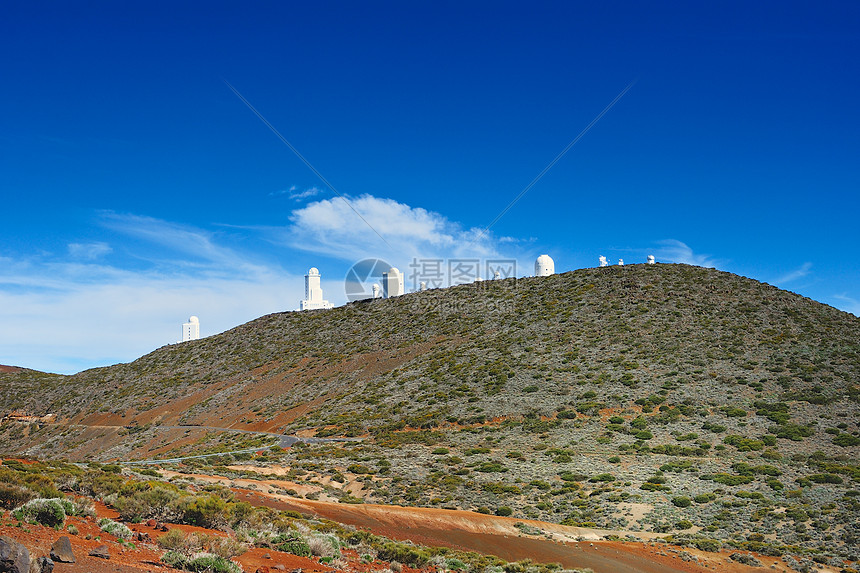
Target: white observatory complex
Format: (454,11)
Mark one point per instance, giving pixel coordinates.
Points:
(652,260)
(544,266)
(392,283)
(191,329)
(313,292)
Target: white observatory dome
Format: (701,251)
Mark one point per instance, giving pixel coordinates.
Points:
(193,319)
(314,271)
(544,266)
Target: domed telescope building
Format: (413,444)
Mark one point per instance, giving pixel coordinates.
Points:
(544,266)
(191,329)
(313,292)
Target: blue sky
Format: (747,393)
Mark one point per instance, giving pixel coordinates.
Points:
(138,189)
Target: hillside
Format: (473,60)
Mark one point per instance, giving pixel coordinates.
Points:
(659,398)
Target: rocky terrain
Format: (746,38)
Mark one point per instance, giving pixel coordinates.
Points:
(705,407)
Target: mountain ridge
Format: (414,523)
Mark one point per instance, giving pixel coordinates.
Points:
(646,396)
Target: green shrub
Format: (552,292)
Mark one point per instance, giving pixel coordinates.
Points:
(715,428)
(292,544)
(743,444)
(504,511)
(729,479)
(682,501)
(826,478)
(205,511)
(846,440)
(360,469)
(733,412)
(775,484)
(712,545)
(793,432)
(402,553)
(200,562)
(47,512)
(116,529)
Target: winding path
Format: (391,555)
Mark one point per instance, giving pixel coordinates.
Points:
(285,441)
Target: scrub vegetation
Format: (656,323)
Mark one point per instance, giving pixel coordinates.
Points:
(680,400)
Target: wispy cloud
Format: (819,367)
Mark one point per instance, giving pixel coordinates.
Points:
(181,244)
(89,251)
(307,193)
(296,195)
(849,304)
(797,273)
(64,317)
(64,314)
(674,251)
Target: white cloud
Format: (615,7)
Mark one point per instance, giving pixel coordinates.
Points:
(89,251)
(67,314)
(68,317)
(385,228)
(674,251)
(797,273)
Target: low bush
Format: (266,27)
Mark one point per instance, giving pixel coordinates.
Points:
(116,529)
(13,495)
(682,501)
(292,544)
(200,562)
(846,440)
(47,512)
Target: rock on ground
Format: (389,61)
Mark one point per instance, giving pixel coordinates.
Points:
(61,551)
(42,565)
(14,557)
(100,551)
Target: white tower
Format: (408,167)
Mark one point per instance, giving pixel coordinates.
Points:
(620,262)
(603,261)
(375,290)
(651,260)
(191,329)
(544,266)
(392,283)
(313,292)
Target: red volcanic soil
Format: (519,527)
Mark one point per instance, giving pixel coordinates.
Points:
(143,557)
(457,529)
(9,368)
(494,535)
